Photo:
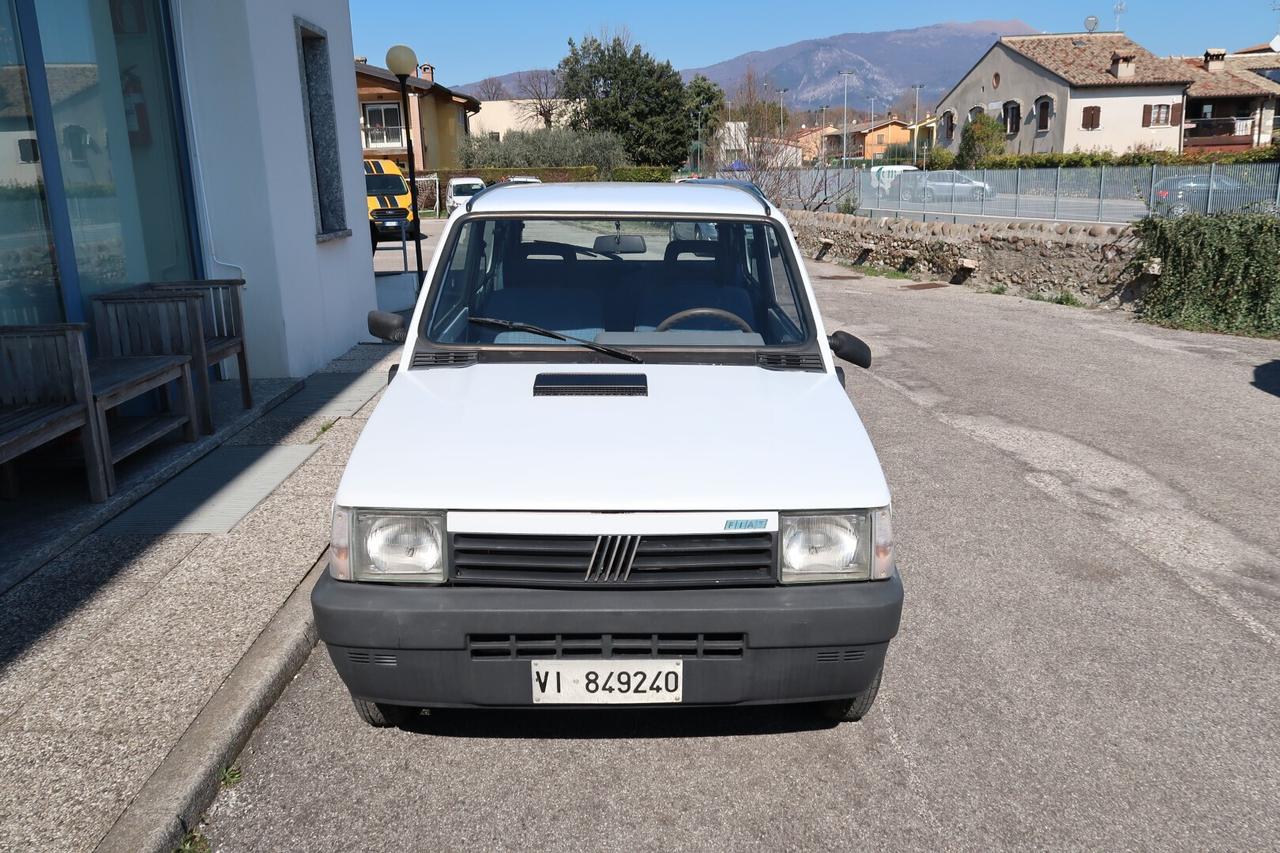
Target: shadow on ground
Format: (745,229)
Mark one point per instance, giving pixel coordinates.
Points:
(1266,377)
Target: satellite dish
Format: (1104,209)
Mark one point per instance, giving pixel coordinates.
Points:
(1275,44)
(1091,23)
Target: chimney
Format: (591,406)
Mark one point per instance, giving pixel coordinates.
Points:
(363,60)
(1215,59)
(1122,65)
(427,72)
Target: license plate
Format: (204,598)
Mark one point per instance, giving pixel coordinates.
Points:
(603,682)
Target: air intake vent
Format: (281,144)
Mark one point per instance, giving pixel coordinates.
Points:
(591,385)
(789,361)
(437,358)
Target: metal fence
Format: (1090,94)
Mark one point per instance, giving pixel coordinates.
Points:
(1114,194)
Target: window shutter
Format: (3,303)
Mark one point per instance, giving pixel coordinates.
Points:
(1146,115)
(1175,115)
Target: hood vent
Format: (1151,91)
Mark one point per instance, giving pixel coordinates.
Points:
(789,361)
(437,358)
(591,385)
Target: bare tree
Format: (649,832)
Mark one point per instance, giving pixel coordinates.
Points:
(750,146)
(491,89)
(539,92)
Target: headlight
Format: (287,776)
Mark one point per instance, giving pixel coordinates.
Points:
(383,545)
(853,546)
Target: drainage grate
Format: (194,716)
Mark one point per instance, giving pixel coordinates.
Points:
(215,493)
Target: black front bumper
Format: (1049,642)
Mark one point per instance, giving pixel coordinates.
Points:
(412,645)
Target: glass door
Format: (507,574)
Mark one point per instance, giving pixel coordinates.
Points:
(29,292)
(117,141)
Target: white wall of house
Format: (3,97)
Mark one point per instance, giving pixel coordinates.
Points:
(1121,127)
(502,117)
(306,299)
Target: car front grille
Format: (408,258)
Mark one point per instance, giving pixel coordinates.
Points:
(605,646)
(391,213)
(702,560)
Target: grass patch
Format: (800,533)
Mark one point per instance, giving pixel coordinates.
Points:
(1037,297)
(999,289)
(229,776)
(884,272)
(1066,297)
(193,842)
(325,427)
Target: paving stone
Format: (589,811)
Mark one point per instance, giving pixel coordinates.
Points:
(63,790)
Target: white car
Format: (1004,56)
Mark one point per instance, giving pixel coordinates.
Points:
(612,468)
(459,191)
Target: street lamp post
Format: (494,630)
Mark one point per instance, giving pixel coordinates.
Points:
(844,133)
(402,61)
(915,125)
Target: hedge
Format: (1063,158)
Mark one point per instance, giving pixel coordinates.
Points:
(1219,273)
(642,174)
(491,175)
(1077,159)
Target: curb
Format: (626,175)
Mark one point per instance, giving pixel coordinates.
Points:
(15,574)
(182,788)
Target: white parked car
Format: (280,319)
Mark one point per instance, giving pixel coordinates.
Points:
(459,190)
(612,468)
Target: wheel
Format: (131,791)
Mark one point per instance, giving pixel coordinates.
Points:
(373,237)
(855,707)
(380,715)
(928,195)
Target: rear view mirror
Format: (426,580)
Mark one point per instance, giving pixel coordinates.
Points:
(850,348)
(620,244)
(388,326)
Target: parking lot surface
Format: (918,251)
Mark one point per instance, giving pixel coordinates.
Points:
(1088,534)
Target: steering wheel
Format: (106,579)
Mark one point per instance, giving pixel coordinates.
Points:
(727,316)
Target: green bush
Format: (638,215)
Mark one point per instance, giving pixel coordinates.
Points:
(1147,157)
(941,158)
(1219,272)
(981,139)
(542,148)
(642,174)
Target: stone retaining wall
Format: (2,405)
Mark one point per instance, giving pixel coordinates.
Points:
(1088,261)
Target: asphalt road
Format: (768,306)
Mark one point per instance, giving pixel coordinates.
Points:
(1088,534)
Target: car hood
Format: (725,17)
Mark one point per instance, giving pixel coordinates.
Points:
(704,438)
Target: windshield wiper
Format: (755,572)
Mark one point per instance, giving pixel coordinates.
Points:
(511,326)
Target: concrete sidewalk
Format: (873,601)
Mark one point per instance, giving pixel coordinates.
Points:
(111,650)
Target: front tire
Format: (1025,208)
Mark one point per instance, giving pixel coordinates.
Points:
(381,715)
(854,708)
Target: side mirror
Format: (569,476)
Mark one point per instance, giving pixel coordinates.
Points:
(388,326)
(851,349)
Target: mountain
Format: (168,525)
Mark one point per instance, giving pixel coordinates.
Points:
(884,64)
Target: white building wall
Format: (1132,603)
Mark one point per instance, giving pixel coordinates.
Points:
(502,117)
(1121,121)
(305,301)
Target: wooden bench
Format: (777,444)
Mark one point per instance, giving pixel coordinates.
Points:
(45,393)
(203,320)
(119,380)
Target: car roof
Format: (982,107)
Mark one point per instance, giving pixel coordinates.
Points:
(466,181)
(691,197)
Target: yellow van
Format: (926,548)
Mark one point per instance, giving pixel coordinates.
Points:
(389,201)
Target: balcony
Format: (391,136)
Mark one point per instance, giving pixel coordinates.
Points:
(382,137)
(1224,134)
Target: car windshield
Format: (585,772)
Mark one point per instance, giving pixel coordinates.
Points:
(622,282)
(385,185)
(466,189)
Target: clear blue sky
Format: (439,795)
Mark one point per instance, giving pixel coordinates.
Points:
(468,41)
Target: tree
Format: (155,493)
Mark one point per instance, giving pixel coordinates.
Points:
(982,137)
(704,102)
(540,96)
(491,89)
(615,87)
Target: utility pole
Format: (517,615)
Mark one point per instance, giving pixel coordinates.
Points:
(781,120)
(822,137)
(844,133)
(915,125)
